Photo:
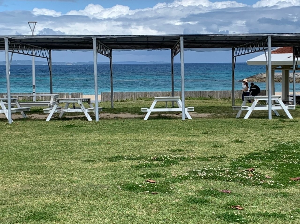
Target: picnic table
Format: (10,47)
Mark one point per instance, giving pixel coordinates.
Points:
(167,109)
(16,107)
(34,102)
(73,109)
(278,105)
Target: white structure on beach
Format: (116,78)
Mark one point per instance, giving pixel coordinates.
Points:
(282,59)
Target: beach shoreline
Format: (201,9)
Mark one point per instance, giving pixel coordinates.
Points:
(92,97)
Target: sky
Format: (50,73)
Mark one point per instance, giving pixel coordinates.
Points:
(148,17)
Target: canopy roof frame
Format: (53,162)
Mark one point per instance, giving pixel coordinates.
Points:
(103,49)
(30,50)
(250,48)
(150,42)
(176,49)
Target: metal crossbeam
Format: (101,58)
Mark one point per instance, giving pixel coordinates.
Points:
(251,48)
(29,50)
(103,49)
(176,49)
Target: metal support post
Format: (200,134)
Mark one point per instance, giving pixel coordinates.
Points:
(111,81)
(269,78)
(172,75)
(96,78)
(172,72)
(8,80)
(182,76)
(232,77)
(294,80)
(32,28)
(50,71)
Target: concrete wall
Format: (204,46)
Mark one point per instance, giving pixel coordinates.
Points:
(119,96)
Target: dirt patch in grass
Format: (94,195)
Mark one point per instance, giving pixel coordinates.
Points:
(111,116)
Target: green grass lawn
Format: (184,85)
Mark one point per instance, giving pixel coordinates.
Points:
(75,171)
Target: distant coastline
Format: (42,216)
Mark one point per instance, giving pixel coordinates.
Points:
(37,62)
(261,77)
(29,62)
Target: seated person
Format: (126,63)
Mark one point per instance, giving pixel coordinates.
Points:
(254,89)
(245,89)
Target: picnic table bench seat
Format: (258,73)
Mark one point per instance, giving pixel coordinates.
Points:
(36,104)
(19,109)
(166,109)
(16,109)
(263,107)
(76,109)
(240,107)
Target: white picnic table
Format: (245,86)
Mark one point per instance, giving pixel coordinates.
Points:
(167,109)
(72,109)
(34,102)
(277,105)
(16,107)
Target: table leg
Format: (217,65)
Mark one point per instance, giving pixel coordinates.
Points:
(179,103)
(85,111)
(240,111)
(251,109)
(187,115)
(62,110)
(150,110)
(285,109)
(276,113)
(51,112)
(22,112)
(4,109)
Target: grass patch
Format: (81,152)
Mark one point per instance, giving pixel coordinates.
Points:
(75,171)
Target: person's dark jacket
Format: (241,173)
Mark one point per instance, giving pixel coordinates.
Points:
(254,90)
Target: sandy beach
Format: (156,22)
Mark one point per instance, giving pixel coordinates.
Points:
(92,97)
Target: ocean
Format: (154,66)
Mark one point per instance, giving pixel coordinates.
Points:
(129,77)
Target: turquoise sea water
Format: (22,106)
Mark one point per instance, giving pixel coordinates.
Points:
(129,77)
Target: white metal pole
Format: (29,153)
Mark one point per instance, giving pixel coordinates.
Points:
(172,71)
(32,28)
(111,81)
(8,80)
(182,76)
(294,80)
(33,78)
(232,78)
(96,78)
(269,78)
(172,75)
(50,70)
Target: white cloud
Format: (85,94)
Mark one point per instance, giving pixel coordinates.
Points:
(206,4)
(45,12)
(277,3)
(97,11)
(179,16)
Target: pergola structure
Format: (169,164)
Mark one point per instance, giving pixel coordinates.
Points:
(241,44)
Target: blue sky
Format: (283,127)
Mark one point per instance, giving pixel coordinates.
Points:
(140,17)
